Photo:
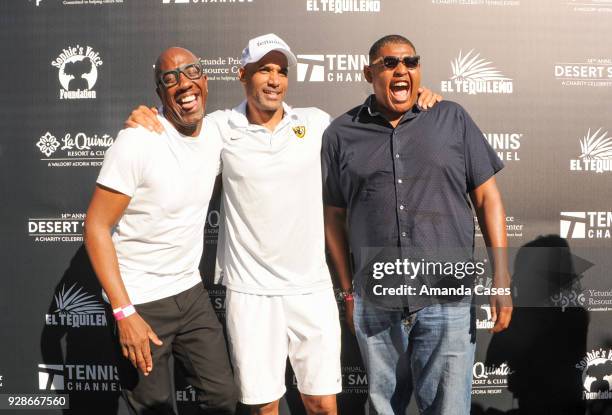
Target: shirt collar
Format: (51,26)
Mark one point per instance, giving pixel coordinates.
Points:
(368,106)
(239,119)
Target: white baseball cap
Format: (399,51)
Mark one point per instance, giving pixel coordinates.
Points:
(260,46)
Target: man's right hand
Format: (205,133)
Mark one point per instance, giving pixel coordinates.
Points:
(145,117)
(134,337)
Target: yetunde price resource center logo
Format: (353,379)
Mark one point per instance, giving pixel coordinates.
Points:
(77,72)
(595,153)
(73,149)
(596,369)
(63,228)
(74,307)
(474,75)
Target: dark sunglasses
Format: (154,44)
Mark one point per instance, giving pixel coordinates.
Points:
(391,62)
(192,71)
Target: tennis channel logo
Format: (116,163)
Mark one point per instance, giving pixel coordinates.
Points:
(585,225)
(78,377)
(473,75)
(339,68)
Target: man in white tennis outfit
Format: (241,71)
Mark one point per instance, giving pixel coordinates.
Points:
(280,301)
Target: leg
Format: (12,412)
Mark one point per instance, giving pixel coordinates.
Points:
(442,345)
(153,394)
(257,334)
(200,347)
(265,409)
(383,342)
(320,404)
(314,348)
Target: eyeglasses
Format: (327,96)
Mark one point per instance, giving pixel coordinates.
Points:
(391,62)
(171,77)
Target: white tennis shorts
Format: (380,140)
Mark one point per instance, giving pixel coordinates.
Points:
(264,330)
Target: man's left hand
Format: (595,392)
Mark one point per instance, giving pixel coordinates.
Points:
(427,99)
(501,308)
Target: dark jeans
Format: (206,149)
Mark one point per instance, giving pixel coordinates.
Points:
(187,325)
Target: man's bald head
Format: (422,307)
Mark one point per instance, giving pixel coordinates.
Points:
(169,54)
(182,87)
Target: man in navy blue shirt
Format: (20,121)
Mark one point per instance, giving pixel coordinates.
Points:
(400,178)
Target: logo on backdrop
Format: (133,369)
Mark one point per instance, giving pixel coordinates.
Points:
(90,2)
(592,72)
(489,379)
(596,369)
(73,150)
(585,225)
(507,145)
(331,68)
(212,227)
(74,307)
(77,71)
(65,228)
(221,68)
(497,3)
(599,6)
(514,227)
(474,75)
(78,377)
(206,2)
(483,317)
(187,394)
(595,152)
(343,6)
(1,381)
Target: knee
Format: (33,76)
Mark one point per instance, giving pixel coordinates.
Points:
(320,405)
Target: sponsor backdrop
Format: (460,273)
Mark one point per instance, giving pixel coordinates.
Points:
(535,75)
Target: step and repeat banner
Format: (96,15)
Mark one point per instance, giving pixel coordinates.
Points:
(536,76)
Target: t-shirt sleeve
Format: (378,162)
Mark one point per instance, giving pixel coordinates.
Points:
(481,161)
(330,164)
(122,169)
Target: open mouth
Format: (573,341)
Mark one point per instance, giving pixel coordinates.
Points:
(400,91)
(188,103)
(272,94)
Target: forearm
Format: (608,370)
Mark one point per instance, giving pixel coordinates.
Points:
(337,245)
(492,220)
(103,258)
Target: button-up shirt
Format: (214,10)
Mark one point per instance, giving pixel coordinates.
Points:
(407,186)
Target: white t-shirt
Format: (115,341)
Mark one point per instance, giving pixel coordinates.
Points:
(273,239)
(170,178)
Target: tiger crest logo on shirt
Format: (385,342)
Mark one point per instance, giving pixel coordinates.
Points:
(300,131)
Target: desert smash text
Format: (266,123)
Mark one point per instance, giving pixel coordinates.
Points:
(411,269)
